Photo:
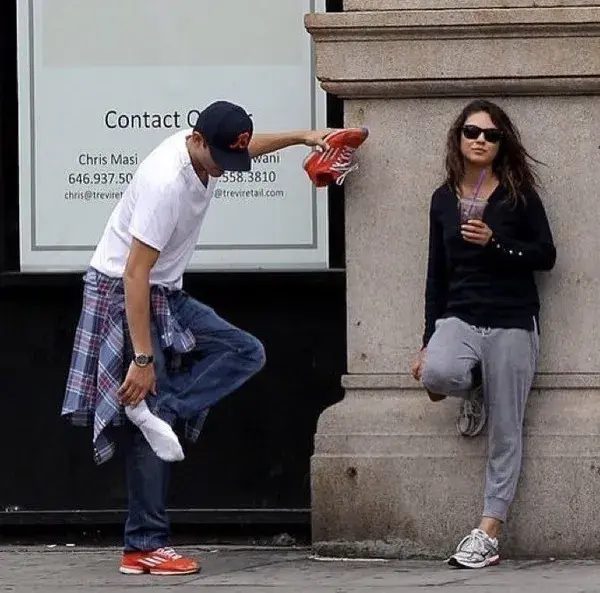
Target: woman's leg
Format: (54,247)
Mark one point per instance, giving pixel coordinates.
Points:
(450,357)
(509,363)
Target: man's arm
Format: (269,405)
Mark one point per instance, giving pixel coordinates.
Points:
(137,307)
(151,226)
(137,295)
(267,143)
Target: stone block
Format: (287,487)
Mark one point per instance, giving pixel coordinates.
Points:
(393,479)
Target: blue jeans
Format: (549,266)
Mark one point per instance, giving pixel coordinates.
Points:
(225,357)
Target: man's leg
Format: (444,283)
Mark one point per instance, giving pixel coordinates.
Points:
(450,357)
(509,363)
(147,527)
(225,357)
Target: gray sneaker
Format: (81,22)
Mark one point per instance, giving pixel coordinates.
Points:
(472,416)
(477,550)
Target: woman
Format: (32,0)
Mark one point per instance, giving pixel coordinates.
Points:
(481,304)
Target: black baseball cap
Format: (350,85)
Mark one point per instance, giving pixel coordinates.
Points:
(227,129)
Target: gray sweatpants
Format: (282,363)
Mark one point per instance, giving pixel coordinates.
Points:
(508,360)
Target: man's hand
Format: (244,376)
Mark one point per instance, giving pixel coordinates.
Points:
(268,143)
(316,138)
(476,232)
(138,383)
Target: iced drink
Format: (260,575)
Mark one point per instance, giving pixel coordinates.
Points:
(471,209)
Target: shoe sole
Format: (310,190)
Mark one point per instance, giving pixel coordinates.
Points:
(436,397)
(493,561)
(471,433)
(157,573)
(125,570)
(337,133)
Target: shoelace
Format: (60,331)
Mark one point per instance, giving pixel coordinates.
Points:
(343,164)
(472,409)
(473,543)
(169,553)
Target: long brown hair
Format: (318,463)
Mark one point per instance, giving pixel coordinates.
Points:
(513,165)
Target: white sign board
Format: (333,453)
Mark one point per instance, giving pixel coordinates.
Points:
(102,82)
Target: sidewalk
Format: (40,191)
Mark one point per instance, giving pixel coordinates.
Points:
(227,570)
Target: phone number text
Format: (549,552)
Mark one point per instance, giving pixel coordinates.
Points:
(102,178)
(249,177)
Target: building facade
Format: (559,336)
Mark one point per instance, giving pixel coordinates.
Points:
(252,464)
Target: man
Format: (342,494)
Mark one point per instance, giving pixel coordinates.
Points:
(181,357)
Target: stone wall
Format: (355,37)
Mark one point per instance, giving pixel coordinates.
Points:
(390,476)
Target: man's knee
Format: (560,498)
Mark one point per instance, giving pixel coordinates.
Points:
(444,377)
(253,352)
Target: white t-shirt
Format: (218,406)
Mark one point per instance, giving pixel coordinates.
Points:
(163,207)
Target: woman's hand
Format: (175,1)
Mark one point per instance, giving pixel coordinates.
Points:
(417,365)
(476,232)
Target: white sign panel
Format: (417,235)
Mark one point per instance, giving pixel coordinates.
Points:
(102,82)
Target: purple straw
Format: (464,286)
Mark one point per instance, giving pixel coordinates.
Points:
(479,184)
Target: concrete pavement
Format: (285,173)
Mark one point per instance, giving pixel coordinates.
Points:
(234,570)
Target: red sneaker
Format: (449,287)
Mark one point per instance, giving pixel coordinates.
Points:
(334,164)
(162,562)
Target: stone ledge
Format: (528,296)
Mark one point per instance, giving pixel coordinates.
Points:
(405,382)
(363,5)
(464,87)
(439,53)
(429,447)
(453,24)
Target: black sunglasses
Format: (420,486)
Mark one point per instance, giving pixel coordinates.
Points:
(492,135)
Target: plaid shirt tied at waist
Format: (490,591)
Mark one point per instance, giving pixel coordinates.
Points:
(97,363)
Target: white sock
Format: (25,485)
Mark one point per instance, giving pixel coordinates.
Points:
(160,436)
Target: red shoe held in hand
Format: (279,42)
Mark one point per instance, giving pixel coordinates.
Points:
(337,162)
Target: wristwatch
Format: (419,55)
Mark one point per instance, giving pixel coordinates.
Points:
(143,360)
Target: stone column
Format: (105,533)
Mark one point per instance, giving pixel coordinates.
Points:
(390,477)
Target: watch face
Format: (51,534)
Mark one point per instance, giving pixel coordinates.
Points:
(142,359)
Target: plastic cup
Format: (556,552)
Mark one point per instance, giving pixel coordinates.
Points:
(471,209)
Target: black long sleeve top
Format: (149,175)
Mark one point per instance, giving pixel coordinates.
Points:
(491,286)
